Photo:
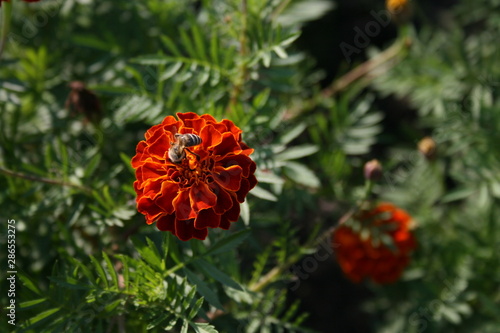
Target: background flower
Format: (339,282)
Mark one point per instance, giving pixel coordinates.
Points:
(372,258)
(204,190)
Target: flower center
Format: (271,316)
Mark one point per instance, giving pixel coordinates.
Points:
(194,171)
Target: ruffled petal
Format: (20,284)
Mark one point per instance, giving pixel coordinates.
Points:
(228,145)
(233,214)
(185,230)
(210,136)
(207,219)
(167,196)
(182,206)
(166,223)
(228,178)
(202,197)
(224,199)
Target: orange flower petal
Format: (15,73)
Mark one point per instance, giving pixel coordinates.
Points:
(202,197)
(182,206)
(228,178)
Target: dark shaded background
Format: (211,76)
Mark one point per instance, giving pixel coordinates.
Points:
(333,302)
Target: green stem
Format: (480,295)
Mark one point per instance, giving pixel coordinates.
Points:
(6,15)
(274,273)
(43,180)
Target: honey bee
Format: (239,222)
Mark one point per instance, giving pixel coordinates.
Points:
(177,153)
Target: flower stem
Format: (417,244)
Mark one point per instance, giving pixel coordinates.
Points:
(43,180)
(367,68)
(274,273)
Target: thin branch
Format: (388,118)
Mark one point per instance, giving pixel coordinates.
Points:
(367,69)
(44,180)
(278,270)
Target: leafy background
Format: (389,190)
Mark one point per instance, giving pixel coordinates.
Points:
(87,261)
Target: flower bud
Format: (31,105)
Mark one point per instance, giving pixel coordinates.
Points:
(373,170)
(401,10)
(427,146)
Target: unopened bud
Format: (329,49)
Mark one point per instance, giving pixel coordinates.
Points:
(427,146)
(400,10)
(373,170)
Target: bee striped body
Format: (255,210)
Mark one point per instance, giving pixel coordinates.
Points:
(177,153)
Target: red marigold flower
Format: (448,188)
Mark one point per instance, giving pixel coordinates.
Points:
(205,188)
(359,258)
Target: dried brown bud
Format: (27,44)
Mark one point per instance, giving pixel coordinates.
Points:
(83,101)
(427,146)
(373,170)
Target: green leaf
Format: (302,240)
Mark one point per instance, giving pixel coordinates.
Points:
(216,274)
(294,133)
(149,253)
(28,283)
(195,308)
(203,328)
(170,71)
(261,99)
(111,270)
(32,303)
(92,165)
(42,317)
(261,193)
(245,213)
(203,289)
(296,152)
(228,243)
(100,271)
(301,174)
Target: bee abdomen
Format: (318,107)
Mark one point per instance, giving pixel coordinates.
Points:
(192,139)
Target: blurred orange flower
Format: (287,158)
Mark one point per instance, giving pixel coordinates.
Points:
(205,188)
(360,258)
